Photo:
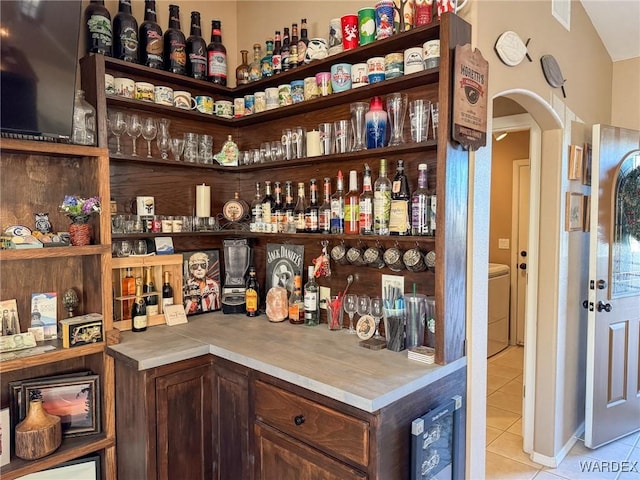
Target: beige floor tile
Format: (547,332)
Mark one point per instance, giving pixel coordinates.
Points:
(512,357)
(516,428)
(510,445)
(503,468)
(492,434)
(500,419)
(543,475)
(504,371)
(514,387)
(495,383)
(505,401)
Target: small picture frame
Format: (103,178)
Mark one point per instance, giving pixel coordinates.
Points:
(5,437)
(201,282)
(587,213)
(9,315)
(573,215)
(586,165)
(575,162)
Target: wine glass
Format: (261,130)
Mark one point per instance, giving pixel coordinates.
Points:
(350,307)
(177,146)
(134,129)
(364,303)
(377,313)
(149,130)
(164,143)
(117,125)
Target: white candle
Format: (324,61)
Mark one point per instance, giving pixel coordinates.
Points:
(313,143)
(203,200)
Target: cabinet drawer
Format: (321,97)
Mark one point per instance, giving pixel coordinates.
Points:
(327,429)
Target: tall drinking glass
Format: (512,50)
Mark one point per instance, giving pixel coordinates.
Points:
(396,109)
(419,113)
(359,125)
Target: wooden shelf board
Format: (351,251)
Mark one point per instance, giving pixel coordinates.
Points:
(50,148)
(52,356)
(53,252)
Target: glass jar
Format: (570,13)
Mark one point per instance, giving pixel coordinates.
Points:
(84,121)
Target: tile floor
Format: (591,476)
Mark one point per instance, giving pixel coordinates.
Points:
(505,458)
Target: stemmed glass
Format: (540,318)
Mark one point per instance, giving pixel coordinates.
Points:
(377,313)
(364,303)
(177,146)
(134,129)
(149,130)
(350,307)
(117,125)
(163,138)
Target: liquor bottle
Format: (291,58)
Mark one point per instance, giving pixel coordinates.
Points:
(242,71)
(256,207)
(311,299)
(381,201)
(152,295)
(285,50)
(376,120)
(365,203)
(97,21)
(432,205)
(125,33)
(298,211)
(293,46)
(138,310)
(277,214)
(252,294)
(266,63)
(303,42)
(337,206)
(289,206)
(217,56)
(276,58)
(420,204)
(399,221)
(267,203)
(167,291)
(296,302)
(311,213)
(324,213)
(127,289)
(175,54)
(150,45)
(196,50)
(351,206)
(255,69)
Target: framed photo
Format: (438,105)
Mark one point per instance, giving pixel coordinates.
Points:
(85,468)
(10,320)
(575,162)
(586,165)
(573,215)
(75,398)
(587,213)
(201,277)
(5,437)
(44,313)
(284,261)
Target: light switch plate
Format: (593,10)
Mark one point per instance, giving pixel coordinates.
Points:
(325,295)
(503,243)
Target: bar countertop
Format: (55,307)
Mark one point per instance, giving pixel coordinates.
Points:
(330,363)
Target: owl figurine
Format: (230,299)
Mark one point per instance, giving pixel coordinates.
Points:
(43,225)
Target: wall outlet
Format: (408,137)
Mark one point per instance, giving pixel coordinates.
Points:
(325,297)
(503,243)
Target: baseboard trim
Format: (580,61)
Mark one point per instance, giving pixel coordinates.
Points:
(553,462)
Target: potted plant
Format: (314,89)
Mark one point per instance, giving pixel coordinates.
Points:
(79,210)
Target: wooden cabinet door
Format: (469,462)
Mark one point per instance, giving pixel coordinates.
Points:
(183,418)
(231,424)
(283,458)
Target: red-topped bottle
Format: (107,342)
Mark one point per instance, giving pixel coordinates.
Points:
(217,56)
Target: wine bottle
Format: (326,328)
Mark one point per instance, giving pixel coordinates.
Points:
(381,201)
(196,50)
(324,213)
(127,289)
(420,204)
(312,210)
(266,63)
(175,53)
(286,50)
(217,56)
(125,33)
(267,203)
(252,294)
(311,299)
(276,58)
(337,206)
(351,206)
(139,310)
(399,223)
(296,302)
(97,21)
(242,70)
(150,40)
(167,291)
(277,215)
(298,211)
(303,42)
(365,203)
(289,207)
(256,206)
(293,46)
(151,298)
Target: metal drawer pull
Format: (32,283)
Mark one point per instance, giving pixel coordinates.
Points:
(299,420)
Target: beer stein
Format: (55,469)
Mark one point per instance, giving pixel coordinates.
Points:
(393,258)
(430,260)
(413,260)
(339,254)
(373,257)
(355,256)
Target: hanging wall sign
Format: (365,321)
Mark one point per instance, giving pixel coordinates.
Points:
(470,90)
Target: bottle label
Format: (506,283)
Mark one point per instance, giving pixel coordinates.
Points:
(302,51)
(419,215)
(432,214)
(294,312)
(300,221)
(99,31)
(376,131)
(154,47)
(129,42)
(217,64)
(257,213)
(324,222)
(399,216)
(351,217)
(177,55)
(276,63)
(337,215)
(251,299)
(381,211)
(166,302)
(140,321)
(198,62)
(396,186)
(266,212)
(366,215)
(310,303)
(152,309)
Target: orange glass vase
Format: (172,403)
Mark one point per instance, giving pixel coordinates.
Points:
(80,234)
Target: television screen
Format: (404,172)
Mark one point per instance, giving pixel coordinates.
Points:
(38,59)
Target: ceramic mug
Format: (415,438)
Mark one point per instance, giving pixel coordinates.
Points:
(359,75)
(431,53)
(341,77)
(125,87)
(366,25)
(393,65)
(238,107)
(224,108)
(260,101)
(272,98)
(375,69)
(183,99)
(454,6)
(109,84)
(163,95)
(204,104)
(349,25)
(413,60)
(144,91)
(384,19)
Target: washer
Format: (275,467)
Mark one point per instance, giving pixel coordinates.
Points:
(498,315)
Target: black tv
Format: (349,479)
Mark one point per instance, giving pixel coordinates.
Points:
(38,59)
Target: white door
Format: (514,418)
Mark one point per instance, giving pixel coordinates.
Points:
(613,337)
(520,250)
